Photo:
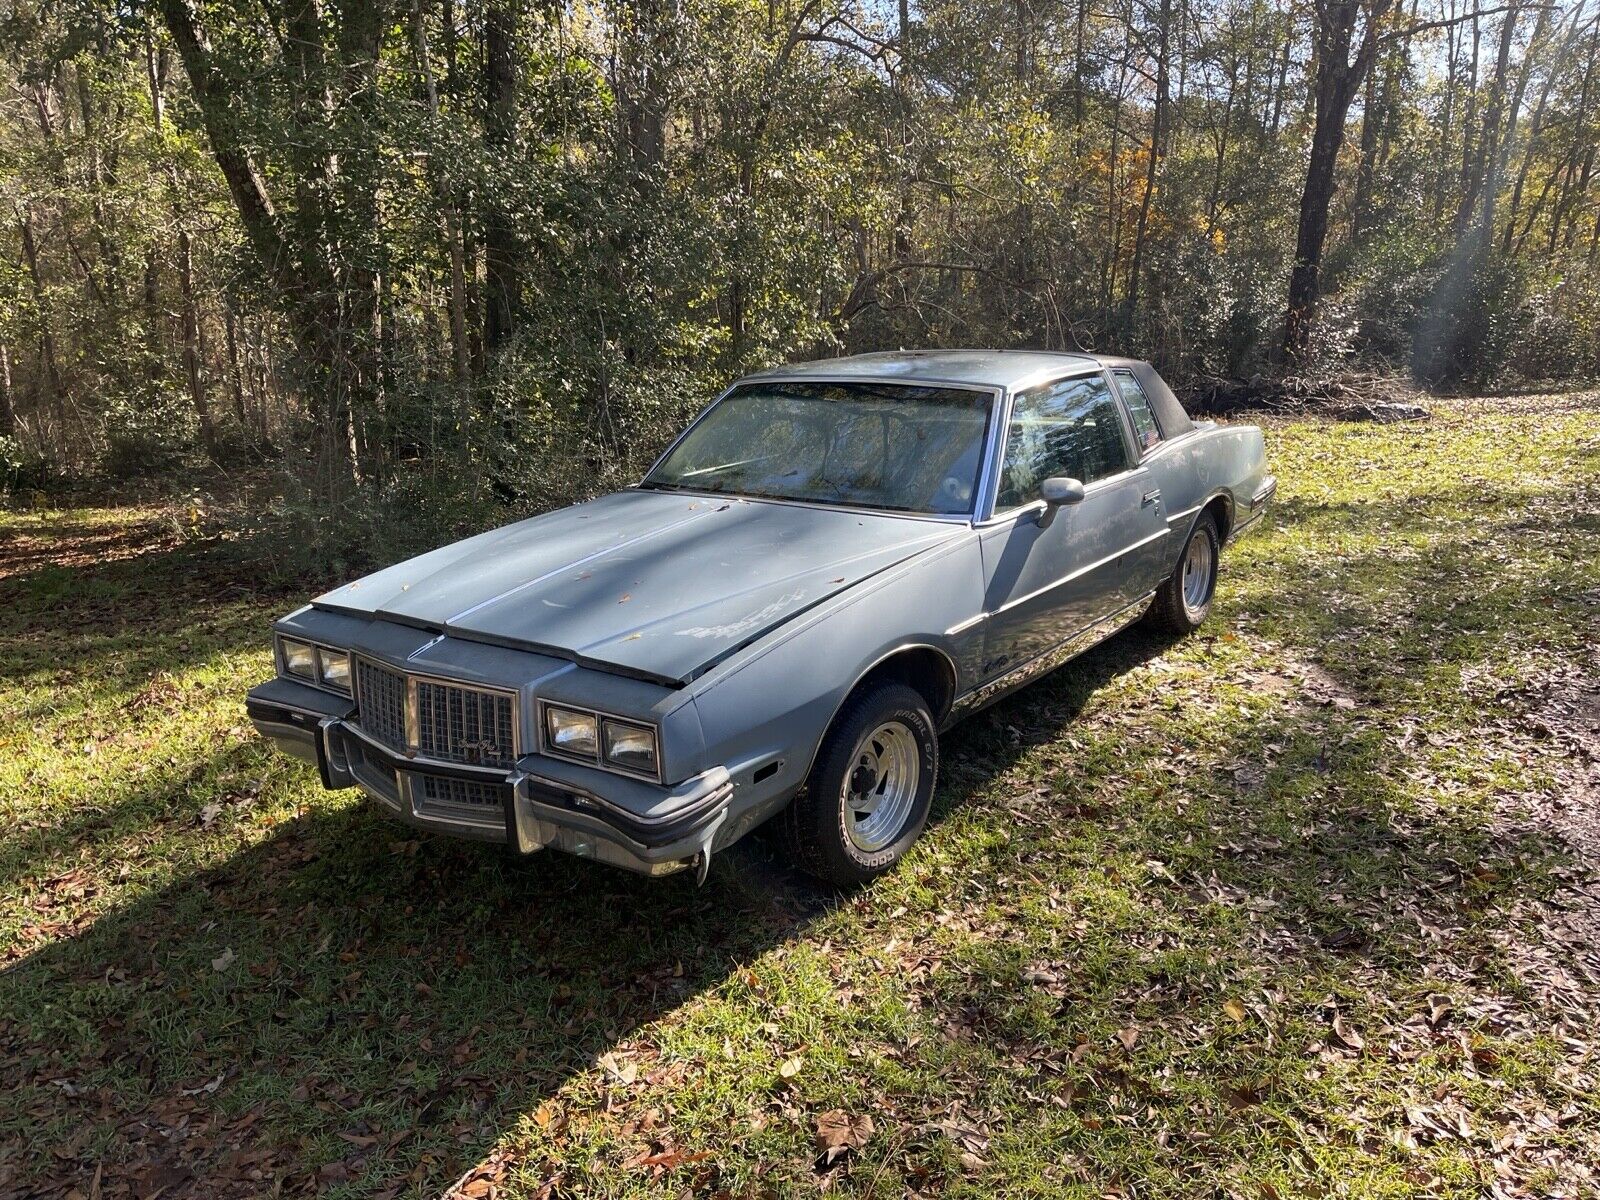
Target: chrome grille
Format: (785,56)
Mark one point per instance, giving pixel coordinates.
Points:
(381,703)
(457,724)
(453,723)
(436,789)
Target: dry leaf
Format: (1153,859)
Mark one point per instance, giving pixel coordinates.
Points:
(1235,1010)
(624,1072)
(838,1133)
(790,1067)
(1128,1037)
(1351,1039)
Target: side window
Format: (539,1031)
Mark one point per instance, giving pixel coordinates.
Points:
(1070,428)
(1144,421)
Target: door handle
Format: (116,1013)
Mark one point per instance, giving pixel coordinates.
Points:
(1150,497)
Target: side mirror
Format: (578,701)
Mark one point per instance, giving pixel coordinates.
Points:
(1056,492)
(1058,489)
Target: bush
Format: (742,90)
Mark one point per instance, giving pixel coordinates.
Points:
(147,434)
(24,470)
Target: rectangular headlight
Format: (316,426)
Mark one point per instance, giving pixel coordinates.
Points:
(571,732)
(298,658)
(334,667)
(632,747)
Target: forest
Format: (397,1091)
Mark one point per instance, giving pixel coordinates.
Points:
(439,257)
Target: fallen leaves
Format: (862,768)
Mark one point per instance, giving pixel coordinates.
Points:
(838,1133)
(1348,1038)
(624,1071)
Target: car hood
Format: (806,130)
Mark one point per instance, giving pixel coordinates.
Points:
(662,585)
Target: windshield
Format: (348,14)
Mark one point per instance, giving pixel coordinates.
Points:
(871,445)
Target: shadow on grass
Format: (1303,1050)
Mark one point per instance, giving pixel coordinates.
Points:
(386,1005)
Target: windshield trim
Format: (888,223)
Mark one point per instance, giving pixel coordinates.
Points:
(986,456)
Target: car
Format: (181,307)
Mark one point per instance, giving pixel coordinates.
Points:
(833,563)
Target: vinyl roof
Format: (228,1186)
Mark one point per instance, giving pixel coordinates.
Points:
(992,368)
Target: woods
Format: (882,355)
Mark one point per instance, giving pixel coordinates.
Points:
(492,252)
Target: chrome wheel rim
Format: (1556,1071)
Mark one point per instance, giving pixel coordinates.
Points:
(880,787)
(1199,563)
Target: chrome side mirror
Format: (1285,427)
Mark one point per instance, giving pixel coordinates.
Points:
(1057,491)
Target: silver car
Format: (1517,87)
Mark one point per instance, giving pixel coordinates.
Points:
(834,562)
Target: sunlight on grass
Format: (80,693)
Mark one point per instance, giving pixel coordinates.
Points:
(1263,912)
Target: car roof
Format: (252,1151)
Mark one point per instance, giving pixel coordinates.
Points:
(989,368)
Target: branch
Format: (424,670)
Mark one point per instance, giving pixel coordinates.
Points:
(1424,26)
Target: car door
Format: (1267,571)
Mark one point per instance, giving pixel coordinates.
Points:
(1050,573)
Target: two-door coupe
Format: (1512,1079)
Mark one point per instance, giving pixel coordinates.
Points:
(834,562)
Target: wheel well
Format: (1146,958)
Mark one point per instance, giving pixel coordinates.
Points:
(923,669)
(1222,513)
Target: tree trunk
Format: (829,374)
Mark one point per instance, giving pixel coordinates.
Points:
(503,288)
(55,394)
(191,346)
(235,370)
(1338,76)
(8,410)
(461,354)
(1158,146)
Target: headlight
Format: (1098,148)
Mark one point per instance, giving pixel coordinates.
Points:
(572,732)
(632,747)
(335,669)
(298,659)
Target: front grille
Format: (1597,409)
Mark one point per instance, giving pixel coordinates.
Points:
(466,725)
(464,801)
(453,723)
(381,703)
(436,789)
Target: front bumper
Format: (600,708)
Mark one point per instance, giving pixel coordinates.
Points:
(541,802)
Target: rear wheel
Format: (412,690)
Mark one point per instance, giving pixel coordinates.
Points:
(867,797)
(1184,600)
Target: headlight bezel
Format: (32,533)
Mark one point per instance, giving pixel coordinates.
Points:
(600,758)
(316,653)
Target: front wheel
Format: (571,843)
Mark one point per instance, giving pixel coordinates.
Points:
(867,797)
(1183,601)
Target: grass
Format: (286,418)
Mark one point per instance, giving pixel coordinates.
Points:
(1300,906)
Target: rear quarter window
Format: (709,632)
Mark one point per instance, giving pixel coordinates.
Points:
(1145,429)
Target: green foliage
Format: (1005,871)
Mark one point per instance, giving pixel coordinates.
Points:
(531,291)
(146,434)
(23,470)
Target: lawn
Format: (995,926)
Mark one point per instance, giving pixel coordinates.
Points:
(1304,905)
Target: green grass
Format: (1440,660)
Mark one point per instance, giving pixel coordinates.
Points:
(1295,907)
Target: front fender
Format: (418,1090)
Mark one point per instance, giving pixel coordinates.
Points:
(764,716)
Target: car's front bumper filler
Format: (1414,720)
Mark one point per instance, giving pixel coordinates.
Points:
(540,802)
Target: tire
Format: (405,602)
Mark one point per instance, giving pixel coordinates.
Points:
(1183,600)
(886,733)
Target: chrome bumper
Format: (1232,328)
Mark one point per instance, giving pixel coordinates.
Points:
(540,803)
